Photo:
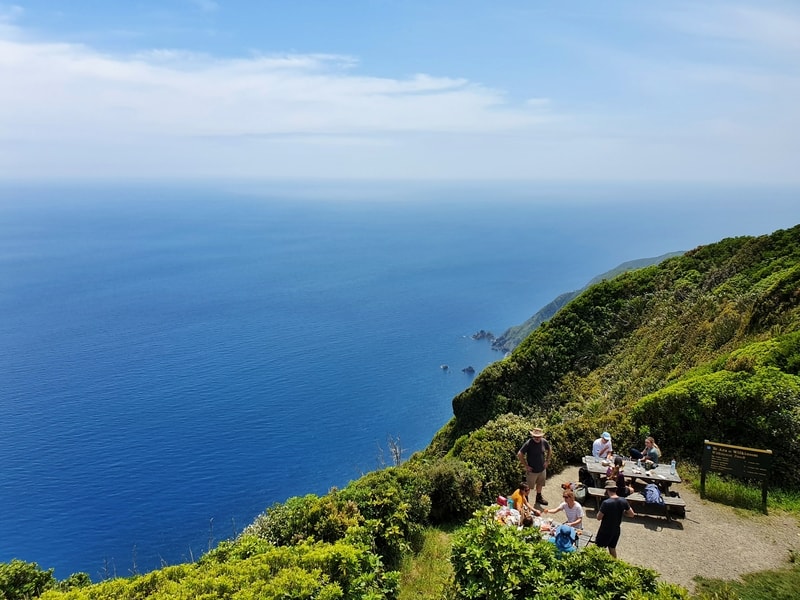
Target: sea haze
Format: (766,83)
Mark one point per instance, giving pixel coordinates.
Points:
(175,360)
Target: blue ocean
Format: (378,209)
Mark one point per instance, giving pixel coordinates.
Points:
(176,359)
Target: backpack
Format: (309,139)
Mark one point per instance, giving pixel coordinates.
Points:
(585,477)
(652,495)
(580,493)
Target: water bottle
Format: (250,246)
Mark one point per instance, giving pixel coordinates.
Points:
(672,467)
(638,463)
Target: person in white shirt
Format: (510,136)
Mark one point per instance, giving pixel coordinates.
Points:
(602,446)
(572,509)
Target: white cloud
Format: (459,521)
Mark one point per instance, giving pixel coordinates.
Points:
(68,90)
(74,111)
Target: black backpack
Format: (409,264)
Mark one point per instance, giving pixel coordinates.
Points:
(585,477)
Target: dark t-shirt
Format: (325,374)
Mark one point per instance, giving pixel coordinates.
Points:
(612,509)
(535,453)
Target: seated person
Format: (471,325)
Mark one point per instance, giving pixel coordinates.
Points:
(508,516)
(649,455)
(623,489)
(565,539)
(601,448)
(572,509)
(525,508)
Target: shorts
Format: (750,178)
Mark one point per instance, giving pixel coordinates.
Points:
(607,538)
(532,479)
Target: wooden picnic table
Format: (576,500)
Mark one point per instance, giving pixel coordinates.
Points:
(673,506)
(660,475)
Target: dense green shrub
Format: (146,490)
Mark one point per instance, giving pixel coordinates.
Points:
(572,439)
(453,486)
(492,452)
(308,570)
(74,581)
(391,506)
(758,410)
(492,561)
(324,518)
(395,510)
(786,353)
(20,580)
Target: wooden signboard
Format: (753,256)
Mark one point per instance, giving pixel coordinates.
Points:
(745,463)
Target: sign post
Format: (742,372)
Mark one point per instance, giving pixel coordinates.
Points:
(745,463)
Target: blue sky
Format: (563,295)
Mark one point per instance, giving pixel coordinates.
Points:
(408,89)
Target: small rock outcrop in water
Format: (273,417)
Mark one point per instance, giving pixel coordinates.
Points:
(444,367)
(470,369)
(483,335)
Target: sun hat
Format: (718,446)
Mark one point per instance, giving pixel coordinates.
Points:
(606,436)
(565,538)
(537,432)
(611,484)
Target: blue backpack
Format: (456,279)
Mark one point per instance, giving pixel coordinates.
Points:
(652,495)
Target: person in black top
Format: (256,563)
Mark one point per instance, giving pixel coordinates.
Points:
(535,456)
(610,516)
(623,489)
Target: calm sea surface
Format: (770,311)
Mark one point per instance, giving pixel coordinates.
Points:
(175,360)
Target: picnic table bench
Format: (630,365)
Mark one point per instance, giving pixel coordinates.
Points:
(661,475)
(673,505)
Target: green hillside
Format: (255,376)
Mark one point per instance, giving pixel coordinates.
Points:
(513,336)
(703,345)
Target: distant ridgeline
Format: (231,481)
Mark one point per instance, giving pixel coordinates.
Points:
(705,345)
(513,336)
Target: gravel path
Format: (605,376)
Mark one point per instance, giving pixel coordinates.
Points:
(714,540)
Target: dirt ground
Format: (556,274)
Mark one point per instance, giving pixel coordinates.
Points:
(714,540)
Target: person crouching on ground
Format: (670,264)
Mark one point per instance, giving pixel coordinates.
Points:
(572,509)
(610,516)
(521,503)
(601,448)
(535,456)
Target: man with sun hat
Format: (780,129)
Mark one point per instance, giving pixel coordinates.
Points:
(535,456)
(610,516)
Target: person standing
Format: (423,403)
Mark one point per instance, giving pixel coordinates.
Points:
(610,516)
(601,448)
(535,455)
